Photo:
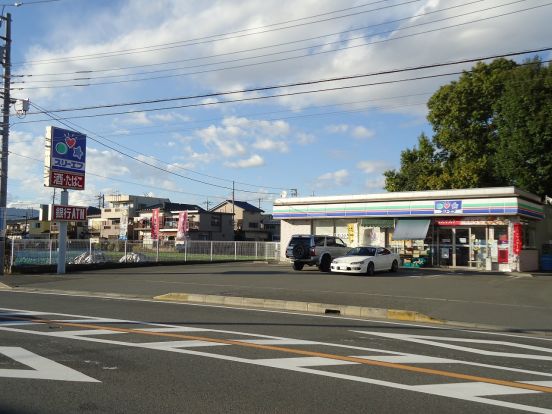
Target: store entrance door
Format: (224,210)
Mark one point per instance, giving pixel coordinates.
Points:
(462,247)
(444,243)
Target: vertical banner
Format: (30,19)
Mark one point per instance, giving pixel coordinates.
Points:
(155,224)
(182,230)
(518,239)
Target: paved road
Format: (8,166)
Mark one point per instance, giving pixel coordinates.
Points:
(511,301)
(77,354)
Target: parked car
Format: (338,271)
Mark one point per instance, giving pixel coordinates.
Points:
(312,250)
(366,260)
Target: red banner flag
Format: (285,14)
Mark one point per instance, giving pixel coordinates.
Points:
(182,231)
(518,239)
(155,224)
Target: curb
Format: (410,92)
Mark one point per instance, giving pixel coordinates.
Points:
(4,287)
(312,307)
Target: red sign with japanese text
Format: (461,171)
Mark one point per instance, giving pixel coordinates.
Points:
(62,179)
(67,213)
(518,240)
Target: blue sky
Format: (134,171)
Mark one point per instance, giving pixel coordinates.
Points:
(324,143)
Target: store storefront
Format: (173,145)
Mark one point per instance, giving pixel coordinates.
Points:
(491,228)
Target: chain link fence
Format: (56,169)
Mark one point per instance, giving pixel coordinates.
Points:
(45,252)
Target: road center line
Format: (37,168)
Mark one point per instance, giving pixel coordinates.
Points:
(294,351)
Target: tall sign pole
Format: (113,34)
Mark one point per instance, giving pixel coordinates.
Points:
(6,62)
(64,167)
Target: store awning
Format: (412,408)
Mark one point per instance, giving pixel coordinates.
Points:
(411,229)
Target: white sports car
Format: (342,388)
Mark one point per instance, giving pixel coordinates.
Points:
(366,260)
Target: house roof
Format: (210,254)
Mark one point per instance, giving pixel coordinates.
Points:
(241,204)
(168,206)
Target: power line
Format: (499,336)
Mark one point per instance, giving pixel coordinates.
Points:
(130,182)
(282,59)
(142,161)
(393,71)
(80,72)
(171,45)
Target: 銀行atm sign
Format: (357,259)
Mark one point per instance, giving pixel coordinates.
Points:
(65,159)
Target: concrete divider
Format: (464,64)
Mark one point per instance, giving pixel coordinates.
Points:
(312,307)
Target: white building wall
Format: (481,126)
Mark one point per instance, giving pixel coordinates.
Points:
(288,229)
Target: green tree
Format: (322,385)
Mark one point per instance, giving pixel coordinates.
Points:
(491,127)
(418,165)
(523,154)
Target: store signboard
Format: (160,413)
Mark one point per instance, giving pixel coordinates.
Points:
(67,213)
(448,207)
(472,221)
(65,159)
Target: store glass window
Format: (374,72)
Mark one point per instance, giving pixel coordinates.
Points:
(529,236)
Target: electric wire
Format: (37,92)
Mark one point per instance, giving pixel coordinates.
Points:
(145,162)
(251,49)
(174,44)
(131,182)
(282,59)
(255,98)
(302,83)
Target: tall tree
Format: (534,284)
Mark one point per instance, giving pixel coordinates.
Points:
(523,155)
(492,127)
(418,165)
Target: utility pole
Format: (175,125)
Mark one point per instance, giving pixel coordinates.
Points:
(233,210)
(207,204)
(6,63)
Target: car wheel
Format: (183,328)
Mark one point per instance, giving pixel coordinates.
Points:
(298,265)
(300,251)
(325,264)
(394,266)
(370,269)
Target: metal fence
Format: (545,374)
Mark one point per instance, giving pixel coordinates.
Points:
(45,252)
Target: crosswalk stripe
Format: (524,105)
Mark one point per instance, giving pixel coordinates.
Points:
(472,389)
(301,362)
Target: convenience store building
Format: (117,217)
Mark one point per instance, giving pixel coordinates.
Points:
(486,228)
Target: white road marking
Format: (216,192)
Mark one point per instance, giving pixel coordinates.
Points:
(42,368)
(436,341)
(299,364)
(179,344)
(310,315)
(287,363)
(408,359)
(473,389)
(86,332)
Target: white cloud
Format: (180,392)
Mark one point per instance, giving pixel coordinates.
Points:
(360,132)
(333,179)
(305,139)
(254,161)
(138,118)
(266,144)
(337,129)
(375,184)
(373,166)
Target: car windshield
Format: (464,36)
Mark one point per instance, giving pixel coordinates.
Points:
(362,251)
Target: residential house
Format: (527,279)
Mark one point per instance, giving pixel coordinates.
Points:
(249,221)
(118,218)
(202,224)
